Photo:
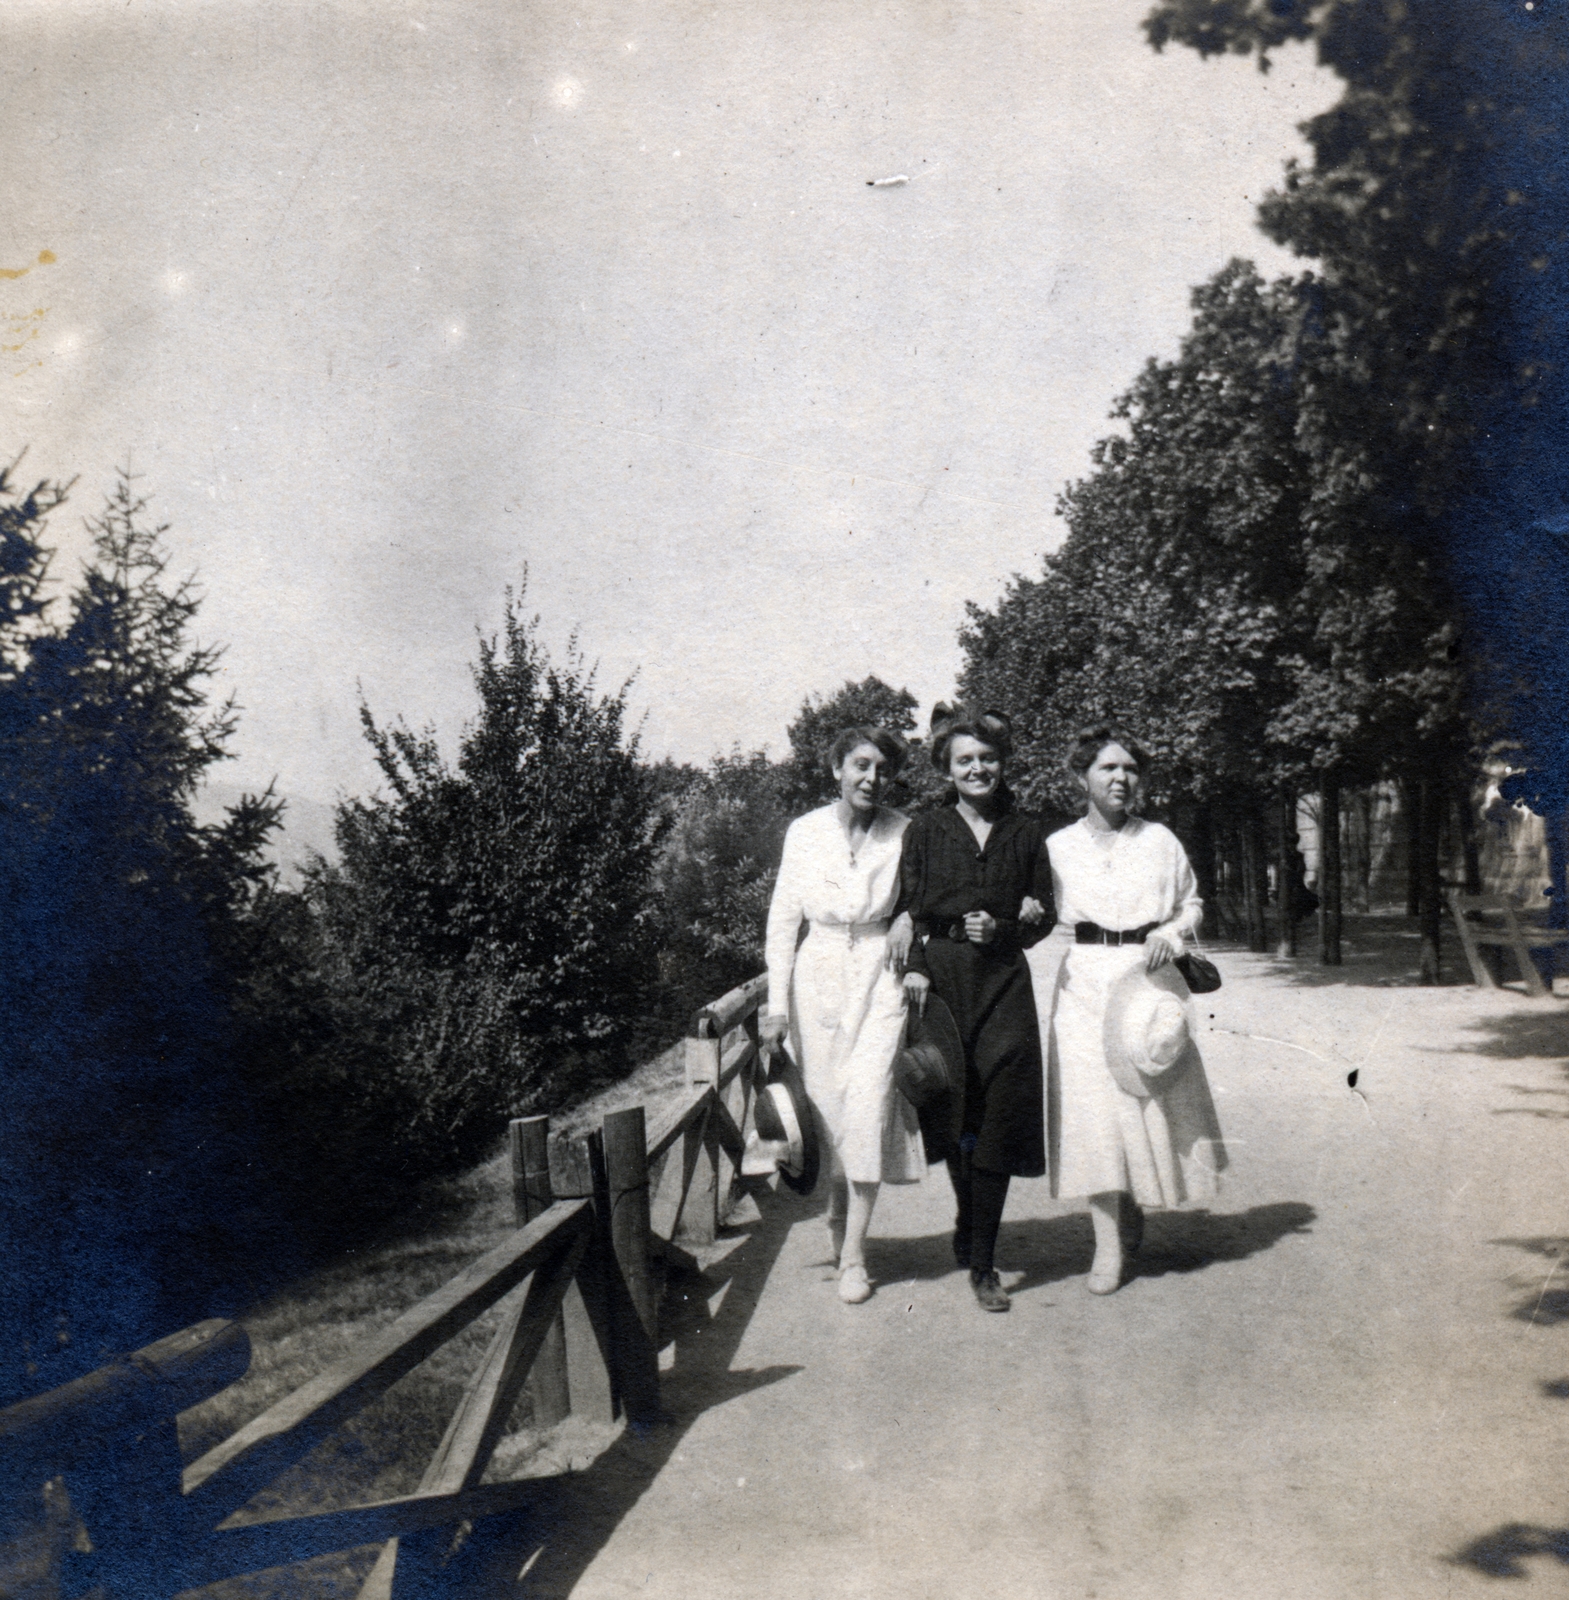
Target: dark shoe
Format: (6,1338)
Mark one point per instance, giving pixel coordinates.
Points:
(961,1248)
(989,1292)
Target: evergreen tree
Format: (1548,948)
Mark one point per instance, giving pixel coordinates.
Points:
(125,1195)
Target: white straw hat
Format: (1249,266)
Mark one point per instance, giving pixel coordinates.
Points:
(1149,1030)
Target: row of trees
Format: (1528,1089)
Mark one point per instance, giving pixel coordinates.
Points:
(1267,650)
(1324,549)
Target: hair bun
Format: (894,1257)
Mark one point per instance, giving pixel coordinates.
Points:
(944,716)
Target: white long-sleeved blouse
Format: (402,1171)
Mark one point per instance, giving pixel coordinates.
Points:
(1141,876)
(820,880)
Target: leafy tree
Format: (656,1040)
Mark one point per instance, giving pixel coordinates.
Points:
(490,920)
(716,875)
(820,720)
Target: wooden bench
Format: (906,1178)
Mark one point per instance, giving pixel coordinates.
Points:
(1493,919)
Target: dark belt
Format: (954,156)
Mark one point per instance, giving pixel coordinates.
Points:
(1093,933)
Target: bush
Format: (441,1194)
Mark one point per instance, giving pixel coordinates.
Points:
(487,933)
(715,876)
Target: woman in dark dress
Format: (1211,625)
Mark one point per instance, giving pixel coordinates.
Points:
(966,870)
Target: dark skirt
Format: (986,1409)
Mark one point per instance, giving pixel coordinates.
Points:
(993,1003)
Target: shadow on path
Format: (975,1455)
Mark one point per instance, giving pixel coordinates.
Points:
(1521,1035)
(1049,1249)
(1546,1301)
(1499,1554)
(541,1553)
(1377,951)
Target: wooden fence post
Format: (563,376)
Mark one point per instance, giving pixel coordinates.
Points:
(610,1305)
(528,1143)
(589,1380)
(635,1311)
(700,1216)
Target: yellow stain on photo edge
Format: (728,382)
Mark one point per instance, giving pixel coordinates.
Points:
(46,258)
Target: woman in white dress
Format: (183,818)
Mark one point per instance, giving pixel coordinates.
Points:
(1126,891)
(839,996)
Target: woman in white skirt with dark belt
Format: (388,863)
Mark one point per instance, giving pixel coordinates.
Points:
(1128,899)
(839,997)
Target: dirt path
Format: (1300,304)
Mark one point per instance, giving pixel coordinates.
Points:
(1350,1379)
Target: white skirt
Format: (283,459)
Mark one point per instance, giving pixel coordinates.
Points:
(1163,1150)
(846,1024)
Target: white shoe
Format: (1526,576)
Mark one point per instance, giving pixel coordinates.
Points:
(854,1285)
(1105,1279)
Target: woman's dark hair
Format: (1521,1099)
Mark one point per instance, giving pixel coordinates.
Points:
(847,739)
(950,722)
(1091,741)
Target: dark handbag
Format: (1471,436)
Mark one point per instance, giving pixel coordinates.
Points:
(1200,974)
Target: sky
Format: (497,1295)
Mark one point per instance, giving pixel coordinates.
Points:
(390,303)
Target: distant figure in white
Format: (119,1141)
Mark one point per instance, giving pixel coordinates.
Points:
(1127,895)
(839,997)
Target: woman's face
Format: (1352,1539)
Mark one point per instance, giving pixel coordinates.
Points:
(1112,780)
(974,767)
(862,777)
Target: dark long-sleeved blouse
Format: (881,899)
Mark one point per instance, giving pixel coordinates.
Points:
(945,874)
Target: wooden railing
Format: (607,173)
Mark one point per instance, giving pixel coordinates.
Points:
(602,1222)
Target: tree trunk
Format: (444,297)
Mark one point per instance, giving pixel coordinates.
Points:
(1557,823)
(1329,918)
(1253,883)
(1222,855)
(1360,869)
(1430,816)
(1558,868)
(1411,814)
(1214,912)
(1286,874)
(1465,816)
(1201,836)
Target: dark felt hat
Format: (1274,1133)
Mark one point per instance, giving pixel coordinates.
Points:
(786,1137)
(931,1064)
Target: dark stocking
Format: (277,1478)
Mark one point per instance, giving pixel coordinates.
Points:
(988,1194)
(959,1177)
